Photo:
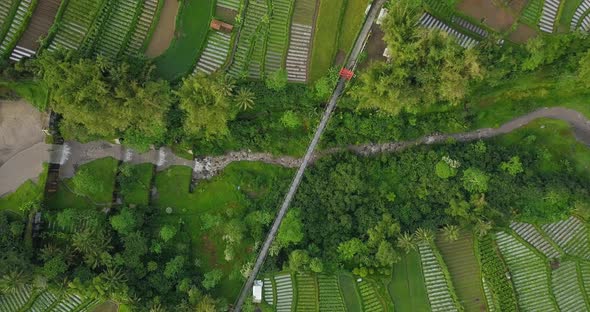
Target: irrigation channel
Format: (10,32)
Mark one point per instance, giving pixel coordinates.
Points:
(358,46)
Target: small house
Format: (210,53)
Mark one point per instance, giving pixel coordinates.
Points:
(381,16)
(257,291)
(221,26)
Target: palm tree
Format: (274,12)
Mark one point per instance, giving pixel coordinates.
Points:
(13,281)
(424,235)
(482,227)
(244,99)
(407,242)
(227,84)
(450,232)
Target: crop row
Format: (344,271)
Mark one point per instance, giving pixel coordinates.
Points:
(42,301)
(571,235)
(529,273)
(330,297)
(568,292)
(494,272)
(111,39)
(278,35)
(284,289)
(14,301)
(532,12)
(268,291)
(17,27)
(215,53)
(75,23)
(369,296)
(529,233)
(437,286)
(582,9)
(144,23)
(253,30)
(307,294)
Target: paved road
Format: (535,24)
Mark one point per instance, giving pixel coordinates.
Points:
(363,35)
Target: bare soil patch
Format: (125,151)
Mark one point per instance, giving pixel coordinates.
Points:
(20,128)
(340,58)
(522,34)
(517,5)
(225,14)
(107,307)
(41,21)
(376,46)
(164,32)
(488,13)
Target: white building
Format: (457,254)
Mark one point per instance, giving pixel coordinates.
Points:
(381,16)
(257,291)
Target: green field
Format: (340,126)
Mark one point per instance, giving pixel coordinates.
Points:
(407,288)
(460,259)
(567,13)
(240,187)
(555,137)
(103,171)
(27,192)
(325,41)
(349,292)
(516,97)
(351,24)
(192,26)
(136,189)
(33,92)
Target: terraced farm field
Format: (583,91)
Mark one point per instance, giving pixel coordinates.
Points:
(307,293)
(76,23)
(498,288)
(372,302)
(529,233)
(18,22)
(27,299)
(284,292)
(278,35)
(112,38)
(248,59)
(529,274)
(39,25)
(532,12)
(571,235)
(407,289)
(568,292)
(215,53)
(329,294)
(298,54)
(459,256)
(352,299)
(440,292)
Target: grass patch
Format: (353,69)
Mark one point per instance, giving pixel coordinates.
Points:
(351,24)
(459,256)
(325,41)
(567,13)
(102,172)
(192,25)
(27,192)
(496,106)
(349,292)
(242,188)
(552,138)
(33,92)
(407,288)
(135,188)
